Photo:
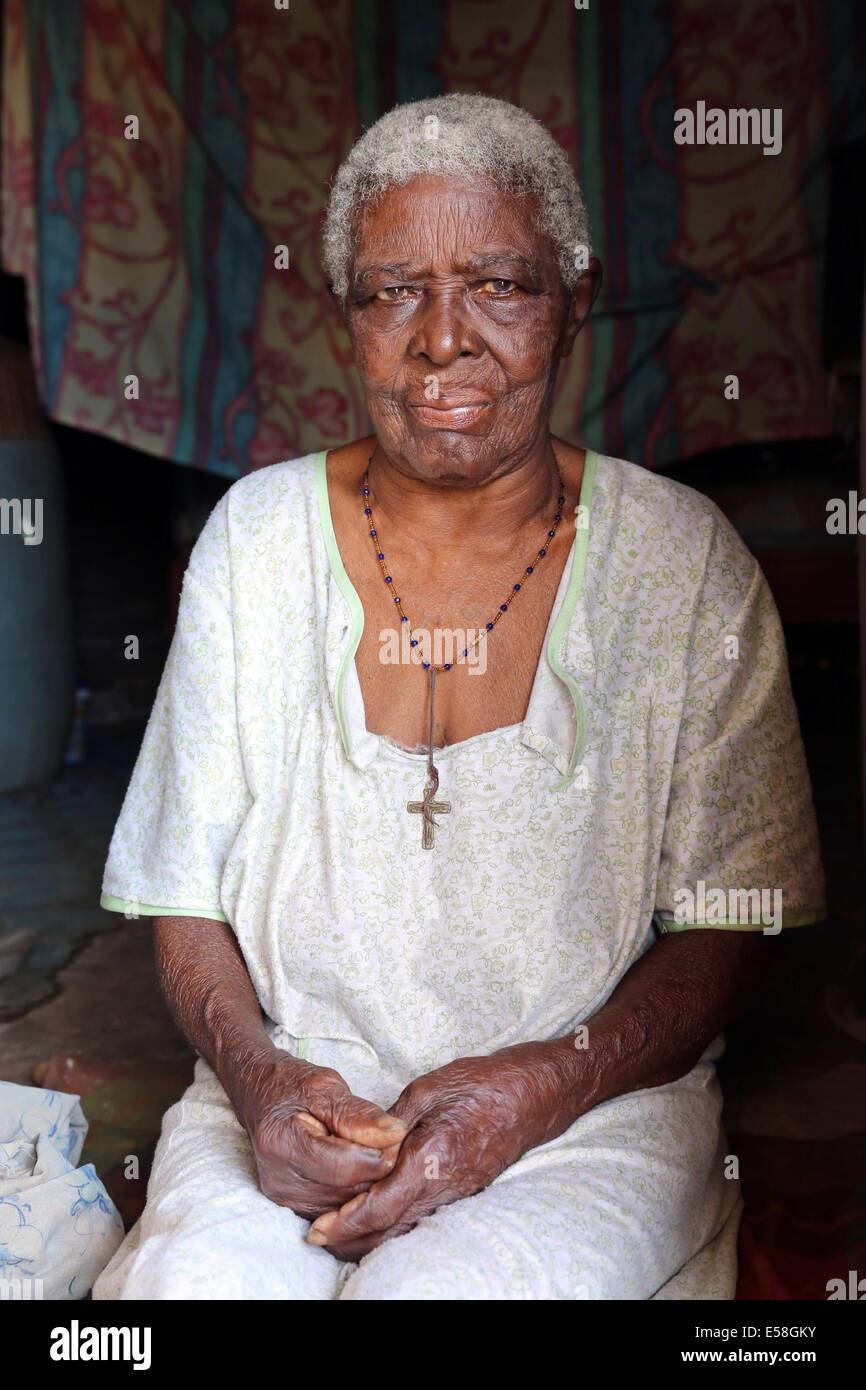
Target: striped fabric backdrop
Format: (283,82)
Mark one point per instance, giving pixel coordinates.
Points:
(154,257)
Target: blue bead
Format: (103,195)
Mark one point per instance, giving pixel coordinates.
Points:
(366,492)
(557,517)
(489,626)
(396,600)
(517,586)
(447,666)
(465,651)
(414,642)
(425,664)
(372,533)
(368,511)
(542,552)
(404,619)
(529,569)
(551,533)
(388,579)
(560,500)
(504,607)
(380,556)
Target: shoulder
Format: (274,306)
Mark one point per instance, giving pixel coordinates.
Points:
(671,534)
(264,515)
(626,487)
(258,491)
(269,500)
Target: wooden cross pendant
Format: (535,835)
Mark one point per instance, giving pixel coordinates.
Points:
(429,804)
(426,808)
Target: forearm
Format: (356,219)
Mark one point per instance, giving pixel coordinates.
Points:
(314,1143)
(668,1007)
(211,996)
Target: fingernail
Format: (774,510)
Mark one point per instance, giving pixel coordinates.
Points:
(302,1117)
(323,1223)
(389,1122)
(317,1238)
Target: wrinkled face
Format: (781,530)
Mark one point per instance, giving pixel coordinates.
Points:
(459,318)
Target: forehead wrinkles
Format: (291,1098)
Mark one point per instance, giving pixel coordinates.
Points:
(446,228)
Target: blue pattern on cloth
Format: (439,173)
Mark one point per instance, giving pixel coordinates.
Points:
(58,1225)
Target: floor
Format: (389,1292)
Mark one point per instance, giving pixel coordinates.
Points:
(74,979)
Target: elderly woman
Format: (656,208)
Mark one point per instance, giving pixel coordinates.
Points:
(472,758)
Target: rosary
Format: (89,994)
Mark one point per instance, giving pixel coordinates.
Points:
(428,805)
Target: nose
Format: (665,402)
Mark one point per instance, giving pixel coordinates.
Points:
(443,330)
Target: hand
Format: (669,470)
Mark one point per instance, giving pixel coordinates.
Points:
(316,1145)
(467,1122)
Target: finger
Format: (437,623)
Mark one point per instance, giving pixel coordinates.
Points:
(410,1106)
(312,1201)
(356,1119)
(309,1198)
(332,1161)
(303,1117)
(352,1252)
(381,1207)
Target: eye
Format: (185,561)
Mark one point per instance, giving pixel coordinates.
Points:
(394,294)
(499,288)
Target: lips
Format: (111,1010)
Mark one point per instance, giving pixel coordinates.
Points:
(448,412)
(456,400)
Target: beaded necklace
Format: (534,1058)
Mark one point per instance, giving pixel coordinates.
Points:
(428,805)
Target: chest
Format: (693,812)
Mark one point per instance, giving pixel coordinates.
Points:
(448,612)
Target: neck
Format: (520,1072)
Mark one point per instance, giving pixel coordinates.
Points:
(436,513)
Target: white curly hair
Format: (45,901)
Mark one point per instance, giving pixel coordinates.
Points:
(468,136)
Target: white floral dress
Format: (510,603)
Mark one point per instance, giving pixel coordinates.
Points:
(660,752)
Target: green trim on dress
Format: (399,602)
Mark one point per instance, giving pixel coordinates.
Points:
(566,613)
(789,919)
(346,587)
(112,904)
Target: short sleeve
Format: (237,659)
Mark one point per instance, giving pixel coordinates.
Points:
(740,846)
(188,795)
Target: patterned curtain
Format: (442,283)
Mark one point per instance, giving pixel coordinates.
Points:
(153,257)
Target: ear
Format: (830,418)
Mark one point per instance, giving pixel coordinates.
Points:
(582,299)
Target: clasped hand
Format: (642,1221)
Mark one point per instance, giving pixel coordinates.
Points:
(363,1175)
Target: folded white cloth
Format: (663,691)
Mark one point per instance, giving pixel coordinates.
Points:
(58,1225)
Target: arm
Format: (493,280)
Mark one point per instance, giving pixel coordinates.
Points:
(207,987)
(315,1143)
(478,1115)
(665,1011)
(186,803)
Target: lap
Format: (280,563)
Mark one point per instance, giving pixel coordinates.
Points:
(612,1209)
(625,1205)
